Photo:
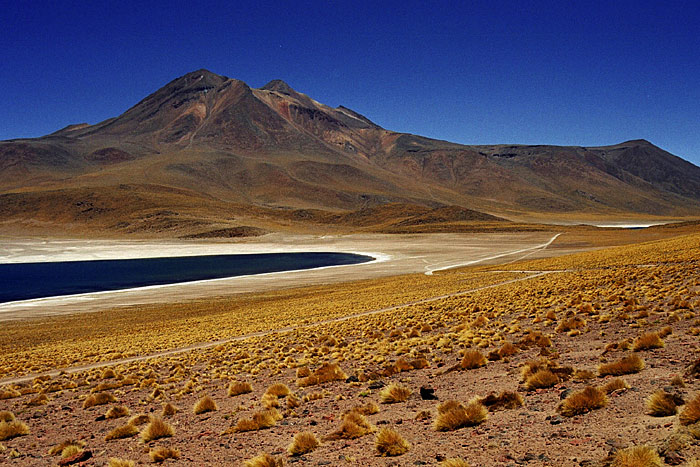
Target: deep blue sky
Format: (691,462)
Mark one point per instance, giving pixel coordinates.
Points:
(559,72)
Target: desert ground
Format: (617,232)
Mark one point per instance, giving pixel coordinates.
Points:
(521,352)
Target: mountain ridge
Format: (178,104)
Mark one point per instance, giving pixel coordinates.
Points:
(274,148)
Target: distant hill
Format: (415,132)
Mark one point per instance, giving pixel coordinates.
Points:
(207,153)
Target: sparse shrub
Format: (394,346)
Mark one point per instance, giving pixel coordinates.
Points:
(691,412)
(169,410)
(625,366)
(662,404)
(473,359)
(101,398)
(9,430)
(117,411)
(162,453)
(390,443)
(124,431)
(394,393)
(237,388)
(637,456)
(452,415)
(115,462)
(541,379)
(647,341)
(264,460)
(203,405)
(577,403)
(156,429)
(615,384)
(303,443)
(504,401)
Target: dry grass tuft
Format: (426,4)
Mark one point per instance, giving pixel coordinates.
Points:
(278,390)
(169,410)
(541,379)
(326,373)
(662,404)
(41,399)
(615,384)
(70,451)
(394,393)
(115,462)
(117,411)
(9,393)
(390,443)
(577,403)
(161,453)
(6,416)
(473,359)
(452,415)
(237,388)
(370,408)
(625,366)
(637,456)
(264,460)
(261,420)
(138,420)
(303,443)
(156,429)
(9,430)
(58,449)
(101,398)
(124,431)
(691,412)
(203,405)
(355,425)
(648,341)
(454,462)
(504,401)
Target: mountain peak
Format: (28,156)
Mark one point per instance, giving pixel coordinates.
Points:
(279,86)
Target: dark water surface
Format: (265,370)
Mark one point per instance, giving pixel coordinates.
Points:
(23,281)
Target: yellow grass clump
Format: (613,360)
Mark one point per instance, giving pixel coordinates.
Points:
(324,374)
(6,416)
(156,429)
(203,405)
(70,451)
(100,398)
(138,420)
(237,388)
(162,453)
(625,366)
(261,420)
(637,456)
(264,460)
(9,393)
(9,430)
(278,390)
(117,411)
(394,393)
(58,449)
(648,341)
(691,412)
(541,379)
(124,431)
(577,403)
(615,384)
(303,443)
(390,443)
(355,425)
(169,410)
(116,462)
(504,401)
(662,404)
(472,359)
(452,415)
(370,408)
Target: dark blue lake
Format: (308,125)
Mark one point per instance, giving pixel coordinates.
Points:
(23,281)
